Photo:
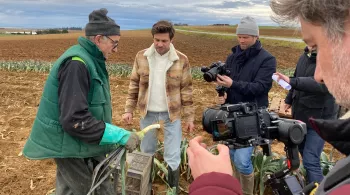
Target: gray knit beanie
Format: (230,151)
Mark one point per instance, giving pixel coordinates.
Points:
(101,24)
(247,26)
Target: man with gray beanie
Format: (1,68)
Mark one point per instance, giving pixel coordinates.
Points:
(73,122)
(250,80)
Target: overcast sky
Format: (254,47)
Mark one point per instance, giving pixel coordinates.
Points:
(130,14)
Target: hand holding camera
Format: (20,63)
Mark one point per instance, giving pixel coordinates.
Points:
(224,81)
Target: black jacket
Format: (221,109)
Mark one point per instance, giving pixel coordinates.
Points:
(251,72)
(335,132)
(307,97)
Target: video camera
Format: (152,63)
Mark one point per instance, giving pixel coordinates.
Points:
(211,72)
(244,125)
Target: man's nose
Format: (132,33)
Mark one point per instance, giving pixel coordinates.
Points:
(115,49)
(318,73)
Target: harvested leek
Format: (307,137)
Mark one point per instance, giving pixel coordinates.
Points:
(142,133)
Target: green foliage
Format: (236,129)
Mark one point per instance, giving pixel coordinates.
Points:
(326,163)
(122,70)
(263,166)
(287,71)
(161,171)
(26,66)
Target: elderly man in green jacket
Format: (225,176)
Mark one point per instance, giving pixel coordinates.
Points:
(73,123)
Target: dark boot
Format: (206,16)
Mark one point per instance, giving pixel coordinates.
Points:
(247,183)
(173,178)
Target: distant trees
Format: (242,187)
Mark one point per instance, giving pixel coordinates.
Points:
(180,24)
(51,31)
(62,30)
(73,28)
(221,24)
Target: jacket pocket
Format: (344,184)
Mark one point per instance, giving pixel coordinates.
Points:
(98,100)
(53,133)
(98,96)
(308,109)
(312,101)
(173,79)
(144,79)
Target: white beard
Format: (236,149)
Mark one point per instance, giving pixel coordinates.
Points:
(339,83)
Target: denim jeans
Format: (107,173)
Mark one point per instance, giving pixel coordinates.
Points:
(310,150)
(241,158)
(172,137)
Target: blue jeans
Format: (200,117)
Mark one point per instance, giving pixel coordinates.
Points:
(311,149)
(241,158)
(172,137)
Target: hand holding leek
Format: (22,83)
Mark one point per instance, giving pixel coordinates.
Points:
(135,138)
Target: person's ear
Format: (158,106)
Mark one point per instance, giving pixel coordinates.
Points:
(98,39)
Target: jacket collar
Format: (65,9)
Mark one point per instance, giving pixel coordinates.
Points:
(311,55)
(336,132)
(91,48)
(250,52)
(172,52)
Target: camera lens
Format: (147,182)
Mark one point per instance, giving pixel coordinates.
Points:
(208,77)
(296,134)
(209,116)
(211,74)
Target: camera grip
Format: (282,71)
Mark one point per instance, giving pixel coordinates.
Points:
(221,94)
(293,157)
(221,90)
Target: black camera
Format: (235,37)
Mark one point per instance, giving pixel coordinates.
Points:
(211,72)
(244,124)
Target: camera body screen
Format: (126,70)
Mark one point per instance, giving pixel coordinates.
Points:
(293,184)
(242,128)
(241,122)
(248,127)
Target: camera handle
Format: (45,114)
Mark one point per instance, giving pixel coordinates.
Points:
(221,90)
(292,152)
(278,180)
(293,161)
(309,188)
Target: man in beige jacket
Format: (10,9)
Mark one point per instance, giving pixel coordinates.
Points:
(161,86)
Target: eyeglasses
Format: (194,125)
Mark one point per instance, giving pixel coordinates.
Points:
(115,43)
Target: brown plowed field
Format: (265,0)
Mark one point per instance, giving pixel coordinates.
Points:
(265,31)
(200,50)
(20,94)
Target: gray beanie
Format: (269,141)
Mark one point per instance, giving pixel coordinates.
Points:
(247,26)
(101,24)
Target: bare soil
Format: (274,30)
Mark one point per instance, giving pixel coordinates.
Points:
(20,94)
(202,51)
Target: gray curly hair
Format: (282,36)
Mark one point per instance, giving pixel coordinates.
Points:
(330,14)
